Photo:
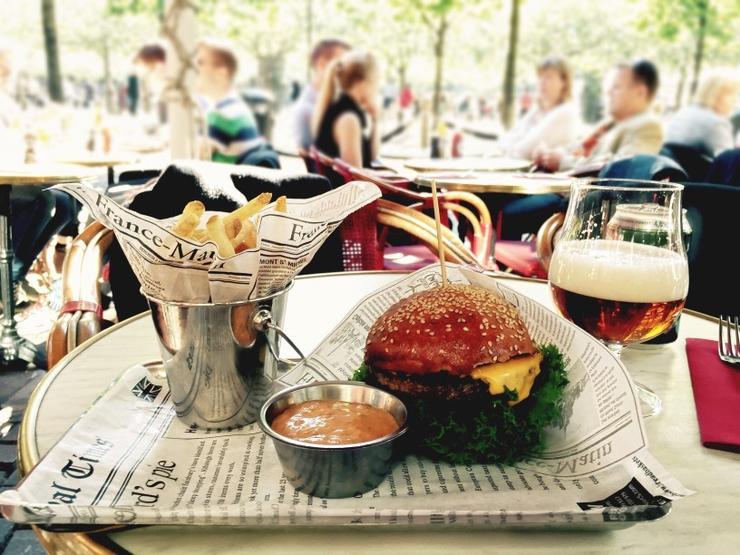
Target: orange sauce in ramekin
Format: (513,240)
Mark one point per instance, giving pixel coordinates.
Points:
(326,422)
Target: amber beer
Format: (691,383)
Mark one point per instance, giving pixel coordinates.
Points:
(617,291)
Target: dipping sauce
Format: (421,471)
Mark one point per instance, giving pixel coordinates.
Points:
(328,422)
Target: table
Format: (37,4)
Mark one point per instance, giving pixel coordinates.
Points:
(497,182)
(402,152)
(92,160)
(498,164)
(29,175)
(704,523)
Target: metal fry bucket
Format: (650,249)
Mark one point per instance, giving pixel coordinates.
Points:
(213,356)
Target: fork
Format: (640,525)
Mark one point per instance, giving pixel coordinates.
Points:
(729,351)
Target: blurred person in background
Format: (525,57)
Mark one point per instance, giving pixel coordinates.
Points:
(132,93)
(345,119)
(705,125)
(553,121)
(151,60)
(321,56)
(631,128)
(232,130)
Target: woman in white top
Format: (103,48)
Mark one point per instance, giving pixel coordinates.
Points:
(554,119)
(705,125)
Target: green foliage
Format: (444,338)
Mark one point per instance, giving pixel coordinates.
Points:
(679,24)
(123,7)
(489,431)
(402,33)
(668,19)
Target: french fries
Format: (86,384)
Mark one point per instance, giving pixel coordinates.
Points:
(217,234)
(232,233)
(246,238)
(281,204)
(189,219)
(233,228)
(249,209)
(200,235)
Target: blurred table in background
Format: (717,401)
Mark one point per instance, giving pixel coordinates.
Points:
(100,160)
(497,182)
(13,347)
(498,164)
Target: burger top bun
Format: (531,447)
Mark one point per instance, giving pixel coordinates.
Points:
(453,328)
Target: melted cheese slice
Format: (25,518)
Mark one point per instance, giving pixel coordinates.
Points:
(518,373)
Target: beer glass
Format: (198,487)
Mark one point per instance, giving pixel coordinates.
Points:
(620,286)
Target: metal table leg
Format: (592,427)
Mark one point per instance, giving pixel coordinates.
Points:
(11,344)
(9,338)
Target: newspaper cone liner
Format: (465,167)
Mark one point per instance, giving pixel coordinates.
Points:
(172,268)
(129,460)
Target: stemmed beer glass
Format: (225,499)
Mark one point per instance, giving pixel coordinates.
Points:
(619,270)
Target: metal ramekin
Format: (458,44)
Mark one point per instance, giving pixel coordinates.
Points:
(334,470)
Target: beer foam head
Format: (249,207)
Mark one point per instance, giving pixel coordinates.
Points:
(620,271)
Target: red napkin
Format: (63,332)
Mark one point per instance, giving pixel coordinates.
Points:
(716,395)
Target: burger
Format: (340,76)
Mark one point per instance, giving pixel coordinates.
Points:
(476,386)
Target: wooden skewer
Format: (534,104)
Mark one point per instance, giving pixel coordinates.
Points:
(440,241)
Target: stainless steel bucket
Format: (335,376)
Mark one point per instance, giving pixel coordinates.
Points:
(213,356)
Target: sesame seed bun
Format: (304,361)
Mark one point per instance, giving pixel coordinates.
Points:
(452,329)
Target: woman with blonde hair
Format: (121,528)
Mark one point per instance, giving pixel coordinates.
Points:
(554,120)
(705,125)
(345,120)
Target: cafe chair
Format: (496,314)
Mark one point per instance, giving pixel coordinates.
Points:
(531,258)
(423,228)
(305,155)
(520,258)
(467,206)
(547,236)
(398,190)
(323,165)
(646,167)
(725,169)
(692,160)
(81,315)
(711,211)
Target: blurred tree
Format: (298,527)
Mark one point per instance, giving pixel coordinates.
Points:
(309,36)
(396,41)
(437,16)
(701,21)
(590,39)
(509,97)
(124,7)
(51,46)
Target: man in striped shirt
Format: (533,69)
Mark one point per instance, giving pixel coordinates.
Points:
(232,131)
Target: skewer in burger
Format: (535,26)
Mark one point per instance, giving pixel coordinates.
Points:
(476,386)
